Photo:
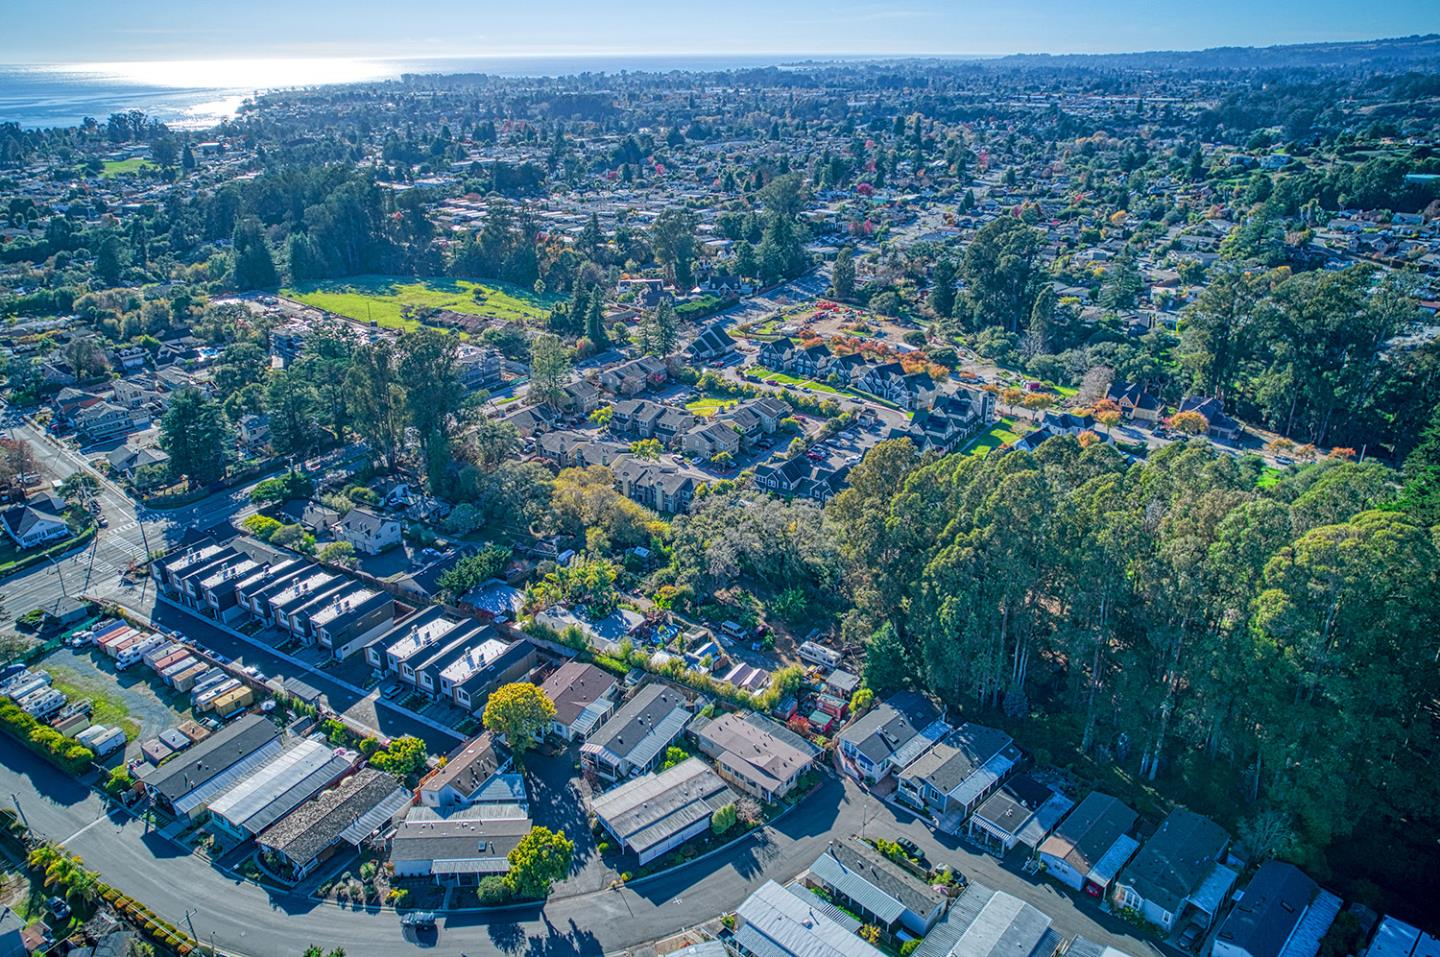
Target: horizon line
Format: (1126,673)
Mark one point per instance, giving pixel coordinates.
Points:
(562,54)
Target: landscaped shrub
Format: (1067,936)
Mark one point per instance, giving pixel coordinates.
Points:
(288,535)
(282,488)
(262,527)
(45,741)
(492,890)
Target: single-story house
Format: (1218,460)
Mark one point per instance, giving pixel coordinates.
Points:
(891,735)
(458,848)
(1281,911)
(657,812)
(1395,938)
(990,923)
(1178,872)
(583,695)
(1091,845)
(187,784)
(959,771)
(344,816)
(1022,811)
(778,920)
(465,775)
(279,787)
(761,757)
(882,892)
(636,736)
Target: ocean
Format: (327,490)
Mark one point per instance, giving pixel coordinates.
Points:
(198,94)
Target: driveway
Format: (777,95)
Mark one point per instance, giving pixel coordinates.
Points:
(557,802)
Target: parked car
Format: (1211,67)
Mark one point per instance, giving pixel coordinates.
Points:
(911,848)
(1190,936)
(58,908)
(419,919)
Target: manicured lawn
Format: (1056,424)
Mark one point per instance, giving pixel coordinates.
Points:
(780,378)
(1001,433)
(708,406)
(134,164)
(381,298)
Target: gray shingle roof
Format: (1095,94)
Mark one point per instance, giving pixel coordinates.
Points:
(890,725)
(305,833)
(1271,906)
(644,726)
(1176,860)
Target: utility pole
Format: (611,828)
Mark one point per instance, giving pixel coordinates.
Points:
(145,543)
(60,571)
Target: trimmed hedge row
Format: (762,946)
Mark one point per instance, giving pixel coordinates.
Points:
(142,918)
(35,558)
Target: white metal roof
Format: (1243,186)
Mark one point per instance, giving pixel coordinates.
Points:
(270,783)
(775,923)
(229,778)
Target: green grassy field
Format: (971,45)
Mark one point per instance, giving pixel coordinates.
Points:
(381,298)
(780,378)
(134,164)
(109,706)
(1269,476)
(1001,433)
(708,406)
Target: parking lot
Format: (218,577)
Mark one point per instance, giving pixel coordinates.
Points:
(134,698)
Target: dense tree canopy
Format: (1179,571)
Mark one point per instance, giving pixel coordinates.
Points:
(1170,606)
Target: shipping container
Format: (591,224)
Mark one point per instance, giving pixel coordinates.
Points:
(165,656)
(185,680)
(110,640)
(232,701)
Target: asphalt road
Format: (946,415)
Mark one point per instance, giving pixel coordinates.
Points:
(246,919)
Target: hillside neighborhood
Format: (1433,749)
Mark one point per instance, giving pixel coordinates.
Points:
(860,509)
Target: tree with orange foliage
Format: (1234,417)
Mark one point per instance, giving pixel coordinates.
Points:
(1012,396)
(1191,423)
(1037,402)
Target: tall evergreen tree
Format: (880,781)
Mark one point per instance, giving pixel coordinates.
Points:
(254,266)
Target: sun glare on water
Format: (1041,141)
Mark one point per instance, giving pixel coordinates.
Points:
(242,74)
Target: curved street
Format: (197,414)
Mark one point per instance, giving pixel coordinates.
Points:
(242,918)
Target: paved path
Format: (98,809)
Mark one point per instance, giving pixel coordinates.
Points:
(246,919)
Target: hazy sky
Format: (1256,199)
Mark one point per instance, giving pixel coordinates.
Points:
(63,31)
